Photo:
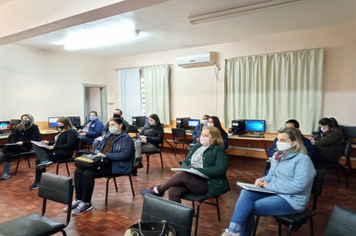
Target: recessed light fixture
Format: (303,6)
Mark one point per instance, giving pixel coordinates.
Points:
(100,37)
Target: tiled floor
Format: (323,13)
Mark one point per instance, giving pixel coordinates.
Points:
(123,210)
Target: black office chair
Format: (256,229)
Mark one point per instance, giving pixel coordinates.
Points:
(294,222)
(342,222)
(179,137)
(201,199)
(113,176)
(148,154)
(133,129)
(52,187)
(66,161)
(178,216)
(337,166)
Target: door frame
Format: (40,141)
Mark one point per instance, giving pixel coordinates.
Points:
(103,100)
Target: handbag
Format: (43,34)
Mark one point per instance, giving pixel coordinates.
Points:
(150,229)
(91,162)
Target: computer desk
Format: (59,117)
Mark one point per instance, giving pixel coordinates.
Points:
(47,134)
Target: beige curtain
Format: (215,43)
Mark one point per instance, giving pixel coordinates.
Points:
(157,92)
(276,88)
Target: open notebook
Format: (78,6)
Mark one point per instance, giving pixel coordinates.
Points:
(252,187)
(190,171)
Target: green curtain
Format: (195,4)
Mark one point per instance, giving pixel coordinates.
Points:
(157,92)
(276,87)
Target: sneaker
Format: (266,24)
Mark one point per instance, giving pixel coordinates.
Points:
(75,204)
(151,191)
(81,208)
(5,176)
(228,233)
(35,185)
(44,164)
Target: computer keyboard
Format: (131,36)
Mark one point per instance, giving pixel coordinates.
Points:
(251,136)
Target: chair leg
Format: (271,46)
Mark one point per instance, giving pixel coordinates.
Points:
(115,184)
(67,169)
(338,176)
(257,219)
(197,219)
(175,149)
(132,190)
(217,206)
(311,227)
(346,171)
(57,168)
(279,229)
(148,162)
(28,161)
(17,166)
(64,232)
(107,190)
(290,230)
(161,159)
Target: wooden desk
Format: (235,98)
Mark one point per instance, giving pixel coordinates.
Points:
(47,134)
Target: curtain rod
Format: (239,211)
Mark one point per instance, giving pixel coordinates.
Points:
(273,53)
(141,67)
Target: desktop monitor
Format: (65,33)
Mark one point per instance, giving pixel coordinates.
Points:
(349,132)
(52,122)
(138,121)
(257,126)
(14,123)
(182,122)
(147,121)
(192,123)
(5,127)
(75,121)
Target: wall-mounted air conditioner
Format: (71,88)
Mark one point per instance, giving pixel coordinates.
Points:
(196,59)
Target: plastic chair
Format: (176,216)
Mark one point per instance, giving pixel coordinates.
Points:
(179,137)
(158,151)
(52,187)
(133,129)
(66,161)
(294,222)
(342,222)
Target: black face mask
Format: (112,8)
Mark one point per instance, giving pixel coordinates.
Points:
(61,127)
(26,122)
(116,116)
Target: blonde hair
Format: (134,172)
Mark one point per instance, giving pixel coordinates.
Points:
(215,135)
(295,135)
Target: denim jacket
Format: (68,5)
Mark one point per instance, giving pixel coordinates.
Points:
(122,152)
(292,179)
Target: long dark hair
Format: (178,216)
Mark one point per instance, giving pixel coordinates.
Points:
(119,122)
(331,122)
(217,124)
(156,118)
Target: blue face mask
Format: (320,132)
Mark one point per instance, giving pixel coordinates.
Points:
(92,118)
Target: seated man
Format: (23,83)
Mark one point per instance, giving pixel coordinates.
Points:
(197,130)
(105,131)
(293,124)
(91,129)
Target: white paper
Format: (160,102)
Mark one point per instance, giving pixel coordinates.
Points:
(190,171)
(252,187)
(40,144)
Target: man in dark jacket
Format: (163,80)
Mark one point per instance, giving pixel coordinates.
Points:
(197,130)
(91,129)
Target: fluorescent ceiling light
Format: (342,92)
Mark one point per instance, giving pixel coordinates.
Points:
(100,36)
(240,10)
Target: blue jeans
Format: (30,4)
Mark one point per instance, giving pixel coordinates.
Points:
(252,203)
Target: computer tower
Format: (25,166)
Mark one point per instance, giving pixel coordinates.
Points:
(182,122)
(237,127)
(138,121)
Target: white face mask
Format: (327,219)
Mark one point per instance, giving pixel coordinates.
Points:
(204,141)
(152,123)
(204,122)
(324,129)
(210,124)
(283,146)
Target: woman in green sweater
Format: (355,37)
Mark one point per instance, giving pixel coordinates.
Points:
(209,158)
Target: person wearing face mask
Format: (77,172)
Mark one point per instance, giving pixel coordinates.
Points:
(105,131)
(214,121)
(91,129)
(148,139)
(25,132)
(118,147)
(291,177)
(329,146)
(65,142)
(197,130)
(208,157)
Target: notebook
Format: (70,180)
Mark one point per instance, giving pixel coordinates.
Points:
(190,171)
(40,144)
(252,187)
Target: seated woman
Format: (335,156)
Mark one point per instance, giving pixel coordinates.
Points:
(65,142)
(214,121)
(148,139)
(290,177)
(328,148)
(118,147)
(207,157)
(25,132)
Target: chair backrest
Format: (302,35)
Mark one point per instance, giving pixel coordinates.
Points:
(180,217)
(317,187)
(132,129)
(347,149)
(178,133)
(342,222)
(79,144)
(56,188)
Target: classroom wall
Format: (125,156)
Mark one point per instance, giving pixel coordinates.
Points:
(44,83)
(193,90)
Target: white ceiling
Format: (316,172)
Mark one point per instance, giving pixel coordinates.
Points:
(167,27)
